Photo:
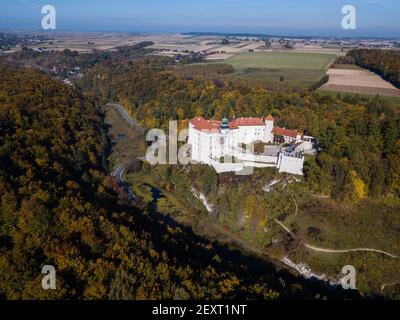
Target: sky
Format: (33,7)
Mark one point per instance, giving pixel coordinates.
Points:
(274,17)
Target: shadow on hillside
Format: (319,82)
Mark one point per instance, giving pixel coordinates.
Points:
(198,252)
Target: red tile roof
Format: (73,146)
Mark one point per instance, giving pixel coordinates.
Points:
(206,125)
(201,124)
(213,126)
(285,132)
(244,122)
(269,118)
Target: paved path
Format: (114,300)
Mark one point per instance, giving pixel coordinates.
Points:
(389,285)
(327,250)
(125,115)
(284,227)
(119,175)
(324,250)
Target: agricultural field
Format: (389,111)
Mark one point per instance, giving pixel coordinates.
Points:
(297,67)
(85,42)
(281,60)
(393,99)
(360,81)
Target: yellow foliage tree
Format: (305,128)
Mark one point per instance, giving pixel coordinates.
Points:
(356,188)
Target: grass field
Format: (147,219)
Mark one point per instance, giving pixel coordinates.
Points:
(372,223)
(297,67)
(126,142)
(281,60)
(394,100)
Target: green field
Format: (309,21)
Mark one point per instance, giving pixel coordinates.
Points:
(394,100)
(297,67)
(281,60)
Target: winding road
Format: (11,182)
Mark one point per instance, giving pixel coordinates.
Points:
(324,250)
(125,115)
(327,250)
(389,285)
(118,174)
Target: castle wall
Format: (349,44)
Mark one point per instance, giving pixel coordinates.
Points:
(290,164)
(208,147)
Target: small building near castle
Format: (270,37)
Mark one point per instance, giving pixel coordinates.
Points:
(212,140)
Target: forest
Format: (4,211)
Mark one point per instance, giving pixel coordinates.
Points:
(58,207)
(359,138)
(386,63)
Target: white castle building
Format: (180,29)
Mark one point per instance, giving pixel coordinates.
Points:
(213,140)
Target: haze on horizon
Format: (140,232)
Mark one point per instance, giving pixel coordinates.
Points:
(375,18)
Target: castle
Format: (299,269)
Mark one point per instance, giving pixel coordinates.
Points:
(213,140)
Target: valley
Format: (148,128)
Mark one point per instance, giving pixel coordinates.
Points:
(208,235)
(177,210)
(320,241)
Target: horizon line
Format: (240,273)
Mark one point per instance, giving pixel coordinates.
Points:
(199,33)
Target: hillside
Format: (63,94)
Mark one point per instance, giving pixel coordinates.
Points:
(347,199)
(58,208)
(354,134)
(58,205)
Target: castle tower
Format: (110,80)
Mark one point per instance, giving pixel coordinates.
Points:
(225,135)
(269,126)
(225,126)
